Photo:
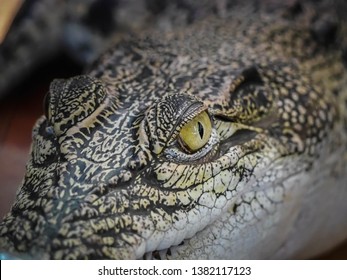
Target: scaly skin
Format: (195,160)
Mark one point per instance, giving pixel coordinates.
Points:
(109,177)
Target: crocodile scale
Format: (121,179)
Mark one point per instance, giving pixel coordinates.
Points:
(109,178)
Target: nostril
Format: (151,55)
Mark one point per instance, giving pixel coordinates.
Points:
(46,104)
(49,130)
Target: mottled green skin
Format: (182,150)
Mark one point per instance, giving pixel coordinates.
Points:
(107,177)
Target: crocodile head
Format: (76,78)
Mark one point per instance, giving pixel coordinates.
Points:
(169,151)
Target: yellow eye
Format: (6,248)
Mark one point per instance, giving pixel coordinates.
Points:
(195,134)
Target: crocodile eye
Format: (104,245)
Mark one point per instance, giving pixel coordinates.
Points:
(195,134)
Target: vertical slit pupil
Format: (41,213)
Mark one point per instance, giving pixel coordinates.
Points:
(201,130)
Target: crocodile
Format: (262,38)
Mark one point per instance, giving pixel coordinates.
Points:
(224,139)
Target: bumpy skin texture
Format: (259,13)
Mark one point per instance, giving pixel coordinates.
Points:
(108,175)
